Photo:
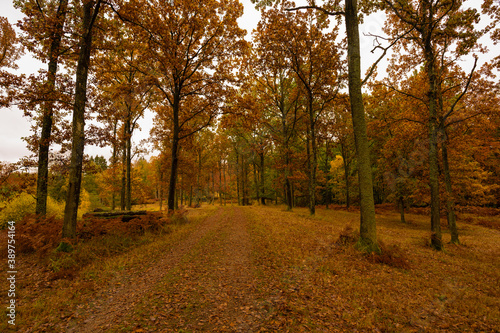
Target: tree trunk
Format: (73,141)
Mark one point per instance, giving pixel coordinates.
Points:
(262,178)
(430,68)
(288,185)
(213,188)
(48,111)
(113,163)
(314,161)
(327,198)
(256,182)
(128,145)
(346,175)
(244,181)
(123,190)
(450,202)
(78,143)
(310,185)
(225,188)
(238,178)
(220,181)
(368,231)
(160,187)
(174,152)
(198,183)
(401,205)
(190,195)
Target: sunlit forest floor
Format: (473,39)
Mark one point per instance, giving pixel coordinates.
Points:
(263,269)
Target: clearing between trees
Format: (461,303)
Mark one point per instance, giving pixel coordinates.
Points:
(263,269)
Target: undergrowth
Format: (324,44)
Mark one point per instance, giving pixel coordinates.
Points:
(97,238)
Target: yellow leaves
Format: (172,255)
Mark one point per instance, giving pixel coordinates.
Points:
(336,164)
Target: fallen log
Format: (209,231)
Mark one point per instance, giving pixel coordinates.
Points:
(125,215)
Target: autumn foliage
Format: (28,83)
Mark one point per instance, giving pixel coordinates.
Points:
(271,157)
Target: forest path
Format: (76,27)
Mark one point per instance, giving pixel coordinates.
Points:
(204,283)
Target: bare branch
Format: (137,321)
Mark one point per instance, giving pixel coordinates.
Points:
(452,108)
(372,68)
(317,8)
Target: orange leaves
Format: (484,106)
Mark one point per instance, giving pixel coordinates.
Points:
(9,51)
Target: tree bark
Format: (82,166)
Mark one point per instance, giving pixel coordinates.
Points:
(225,188)
(220,181)
(123,190)
(160,187)
(288,185)
(78,143)
(346,176)
(262,178)
(450,202)
(238,178)
(113,163)
(174,153)
(401,205)
(256,181)
(368,233)
(128,161)
(430,68)
(48,110)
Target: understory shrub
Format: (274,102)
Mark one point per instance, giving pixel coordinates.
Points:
(24,204)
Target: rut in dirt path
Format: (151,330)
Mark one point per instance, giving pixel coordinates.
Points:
(205,283)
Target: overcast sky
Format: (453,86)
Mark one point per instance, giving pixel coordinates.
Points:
(13,126)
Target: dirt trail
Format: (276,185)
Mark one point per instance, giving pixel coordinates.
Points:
(205,283)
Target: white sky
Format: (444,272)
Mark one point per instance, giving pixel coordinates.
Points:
(13,126)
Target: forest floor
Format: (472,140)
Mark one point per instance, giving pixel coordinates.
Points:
(263,269)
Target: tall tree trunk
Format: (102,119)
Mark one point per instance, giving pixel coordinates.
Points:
(174,152)
(368,230)
(48,110)
(314,161)
(213,188)
(78,143)
(256,181)
(225,188)
(160,187)
(327,188)
(238,178)
(176,205)
(123,190)
(288,185)
(128,145)
(190,195)
(346,176)
(310,186)
(450,202)
(244,181)
(198,183)
(430,68)
(401,205)
(262,178)
(220,181)
(113,163)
